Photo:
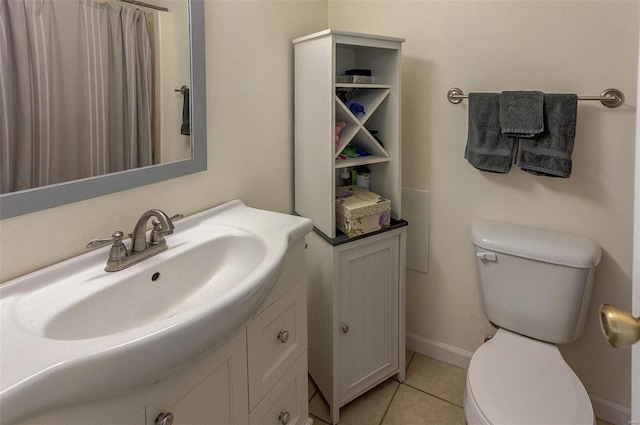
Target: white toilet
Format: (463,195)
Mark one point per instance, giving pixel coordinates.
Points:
(534,285)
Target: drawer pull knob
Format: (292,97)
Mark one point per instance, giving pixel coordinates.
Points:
(345,329)
(283,336)
(164,419)
(284,418)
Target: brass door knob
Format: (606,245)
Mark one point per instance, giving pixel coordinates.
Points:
(619,327)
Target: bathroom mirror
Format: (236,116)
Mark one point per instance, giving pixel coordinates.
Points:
(40,198)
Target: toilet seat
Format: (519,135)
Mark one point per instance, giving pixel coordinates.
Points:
(513,379)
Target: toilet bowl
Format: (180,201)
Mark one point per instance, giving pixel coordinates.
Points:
(514,380)
(535,286)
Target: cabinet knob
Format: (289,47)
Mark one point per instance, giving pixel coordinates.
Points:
(284,417)
(164,419)
(345,328)
(283,336)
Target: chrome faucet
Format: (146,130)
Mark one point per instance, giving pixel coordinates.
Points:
(162,225)
(120,257)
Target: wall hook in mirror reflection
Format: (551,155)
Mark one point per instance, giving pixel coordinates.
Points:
(181,89)
(138,4)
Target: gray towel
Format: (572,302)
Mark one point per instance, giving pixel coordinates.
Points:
(521,113)
(549,153)
(487,148)
(185,127)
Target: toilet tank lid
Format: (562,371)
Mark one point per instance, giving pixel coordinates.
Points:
(536,244)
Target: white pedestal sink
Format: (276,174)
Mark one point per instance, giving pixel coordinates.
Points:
(73,332)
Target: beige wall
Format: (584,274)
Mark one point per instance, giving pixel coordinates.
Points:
(250,138)
(574,47)
(581,47)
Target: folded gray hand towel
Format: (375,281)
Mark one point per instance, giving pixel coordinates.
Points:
(521,113)
(549,153)
(487,148)
(185,127)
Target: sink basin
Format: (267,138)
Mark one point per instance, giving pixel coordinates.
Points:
(96,305)
(73,332)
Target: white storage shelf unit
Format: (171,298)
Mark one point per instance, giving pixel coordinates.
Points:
(319,59)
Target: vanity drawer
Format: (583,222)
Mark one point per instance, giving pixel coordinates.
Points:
(275,340)
(287,402)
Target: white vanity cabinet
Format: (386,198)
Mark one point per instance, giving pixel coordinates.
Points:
(257,376)
(269,355)
(356,299)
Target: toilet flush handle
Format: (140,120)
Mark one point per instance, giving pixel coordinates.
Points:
(486,255)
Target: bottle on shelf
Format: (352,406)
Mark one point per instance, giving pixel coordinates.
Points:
(363,177)
(346,94)
(345,177)
(355,107)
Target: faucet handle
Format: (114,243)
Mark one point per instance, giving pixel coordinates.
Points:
(157,234)
(177,217)
(97,243)
(118,250)
(156,226)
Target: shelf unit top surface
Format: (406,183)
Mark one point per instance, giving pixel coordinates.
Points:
(347,33)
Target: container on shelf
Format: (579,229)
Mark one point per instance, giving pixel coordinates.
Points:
(346,94)
(354,79)
(360,211)
(363,177)
(345,177)
(355,76)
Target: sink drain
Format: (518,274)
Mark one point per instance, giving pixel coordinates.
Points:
(155,276)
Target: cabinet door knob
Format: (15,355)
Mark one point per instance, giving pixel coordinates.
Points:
(284,417)
(345,328)
(164,419)
(283,336)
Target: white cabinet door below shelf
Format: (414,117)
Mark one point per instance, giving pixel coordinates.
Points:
(368,315)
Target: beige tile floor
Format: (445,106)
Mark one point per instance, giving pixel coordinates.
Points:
(432,393)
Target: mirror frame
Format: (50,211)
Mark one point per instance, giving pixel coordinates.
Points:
(41,198)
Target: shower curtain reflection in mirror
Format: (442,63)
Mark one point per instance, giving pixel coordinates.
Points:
(75,91)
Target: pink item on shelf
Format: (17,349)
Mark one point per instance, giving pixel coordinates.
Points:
(339,126)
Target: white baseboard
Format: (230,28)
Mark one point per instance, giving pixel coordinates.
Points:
(608,410)
(439,350)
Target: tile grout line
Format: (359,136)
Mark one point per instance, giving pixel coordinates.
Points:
(315,418)
(314,394)
(426,392)
(384,415)
(434,395)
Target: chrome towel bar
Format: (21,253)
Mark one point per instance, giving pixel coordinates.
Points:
(611,98)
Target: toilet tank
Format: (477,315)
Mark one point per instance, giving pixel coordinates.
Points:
(534,282)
